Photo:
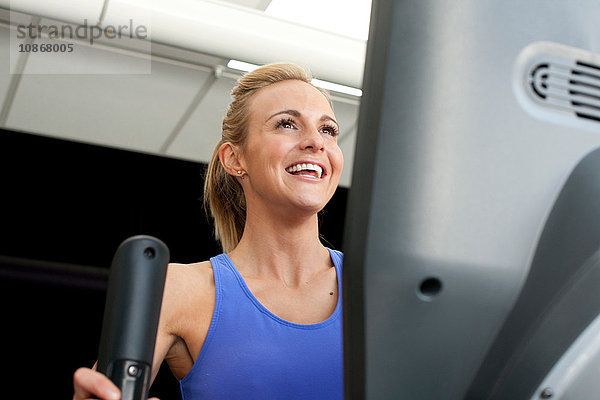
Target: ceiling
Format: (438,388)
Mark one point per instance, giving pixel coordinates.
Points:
(173,109)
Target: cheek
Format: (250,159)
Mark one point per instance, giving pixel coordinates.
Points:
(268,154)
(277,146)
(337,159)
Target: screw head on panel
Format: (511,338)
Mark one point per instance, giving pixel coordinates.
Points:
(133,370)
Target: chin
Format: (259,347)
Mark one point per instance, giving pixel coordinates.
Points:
(310,207)
(311,202)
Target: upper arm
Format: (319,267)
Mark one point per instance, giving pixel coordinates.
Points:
(165,337)
(185,316)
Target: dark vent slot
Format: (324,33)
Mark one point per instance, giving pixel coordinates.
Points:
(587,74)
(578,93)
(584,64)
(580,104)
(592,117)
(576,83)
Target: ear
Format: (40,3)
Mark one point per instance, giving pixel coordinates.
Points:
(230,159)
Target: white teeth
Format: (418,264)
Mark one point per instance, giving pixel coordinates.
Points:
(306,167)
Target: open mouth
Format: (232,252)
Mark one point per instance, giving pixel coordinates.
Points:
(306,169)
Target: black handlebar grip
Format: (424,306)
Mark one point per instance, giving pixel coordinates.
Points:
(135,288)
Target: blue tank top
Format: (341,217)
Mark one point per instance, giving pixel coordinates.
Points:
(250,353)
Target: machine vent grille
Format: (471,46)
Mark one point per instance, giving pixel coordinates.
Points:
(574,87)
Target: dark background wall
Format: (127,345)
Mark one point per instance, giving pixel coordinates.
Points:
(64,209)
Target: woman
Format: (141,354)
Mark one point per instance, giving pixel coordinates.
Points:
(263,319)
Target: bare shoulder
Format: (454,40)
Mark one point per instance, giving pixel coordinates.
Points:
(189,294)
(182,276)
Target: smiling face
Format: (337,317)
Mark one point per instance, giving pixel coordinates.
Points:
(291,154)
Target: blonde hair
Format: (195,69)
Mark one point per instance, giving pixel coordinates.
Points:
(223,194)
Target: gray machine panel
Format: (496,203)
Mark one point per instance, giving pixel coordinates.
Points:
(560,297)
(575,376)
(457,176)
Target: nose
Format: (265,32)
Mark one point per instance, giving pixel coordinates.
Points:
(312,139)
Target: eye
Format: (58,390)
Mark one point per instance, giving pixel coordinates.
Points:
(330,130)
(285,123)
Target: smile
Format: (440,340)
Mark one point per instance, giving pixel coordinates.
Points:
(306,169)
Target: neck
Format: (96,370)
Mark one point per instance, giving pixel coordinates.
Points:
(278,247)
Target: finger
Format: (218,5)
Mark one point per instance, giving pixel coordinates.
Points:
(87,382)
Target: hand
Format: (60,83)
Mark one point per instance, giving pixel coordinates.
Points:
(88,382)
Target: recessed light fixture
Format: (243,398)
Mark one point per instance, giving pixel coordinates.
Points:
(241,65)
(335,87)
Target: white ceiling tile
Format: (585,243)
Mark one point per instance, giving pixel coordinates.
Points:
(202,131)
(136,112)
(256,4)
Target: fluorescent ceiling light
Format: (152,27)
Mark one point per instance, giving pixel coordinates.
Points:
(247,67)
(345,17)
(241,66)
(337,88)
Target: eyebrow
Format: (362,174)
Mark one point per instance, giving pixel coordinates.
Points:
(297,113)
(326,117)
